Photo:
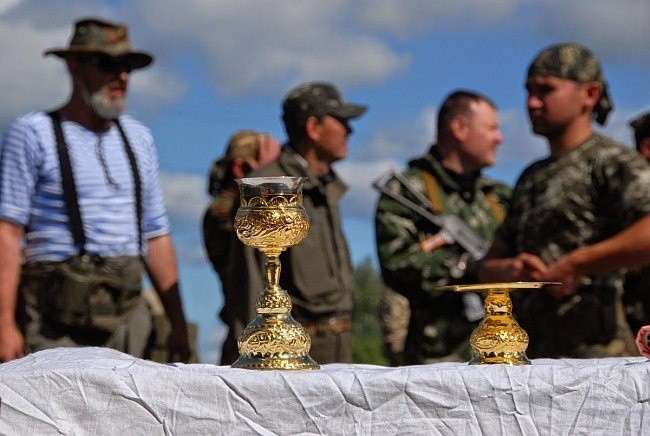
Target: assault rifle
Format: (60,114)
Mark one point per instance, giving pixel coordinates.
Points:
(452,228)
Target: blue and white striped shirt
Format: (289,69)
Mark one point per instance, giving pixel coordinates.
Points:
(31,194)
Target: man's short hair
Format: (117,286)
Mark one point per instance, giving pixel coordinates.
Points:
(457,103)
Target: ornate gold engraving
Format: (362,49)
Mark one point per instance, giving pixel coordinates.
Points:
(271,219)
(498,338)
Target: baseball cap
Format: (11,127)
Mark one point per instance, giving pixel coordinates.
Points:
(318,99)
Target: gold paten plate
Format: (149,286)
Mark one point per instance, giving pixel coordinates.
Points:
(484,287)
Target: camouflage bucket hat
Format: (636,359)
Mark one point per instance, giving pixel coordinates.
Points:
(92,35)
(318,99)
(573,62)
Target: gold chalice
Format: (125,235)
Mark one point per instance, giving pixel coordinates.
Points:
(271,218)
(498,338)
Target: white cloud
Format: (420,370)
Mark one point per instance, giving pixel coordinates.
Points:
(28,80)
(31,81)
(267,46)
(615,30)
(184,194)
(253,46)
(419,16)
(154,88)
(6,5)
(359,201)
(185,199)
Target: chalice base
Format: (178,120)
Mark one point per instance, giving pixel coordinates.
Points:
(276,362)
(498,338)
(507,358)
(274,341)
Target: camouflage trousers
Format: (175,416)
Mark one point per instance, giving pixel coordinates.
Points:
(394,316)
(84,301)
(580,326)
(129,337)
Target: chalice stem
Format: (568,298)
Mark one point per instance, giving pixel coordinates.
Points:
(273,269)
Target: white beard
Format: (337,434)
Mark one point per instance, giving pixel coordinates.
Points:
(103,106)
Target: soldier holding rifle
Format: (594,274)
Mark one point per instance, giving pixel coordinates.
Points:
(434,220)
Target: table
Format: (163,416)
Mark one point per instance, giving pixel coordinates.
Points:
(102,391)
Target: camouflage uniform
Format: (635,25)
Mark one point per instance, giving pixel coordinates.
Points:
(394,316)
(438,329)
(636,296)
(560,204)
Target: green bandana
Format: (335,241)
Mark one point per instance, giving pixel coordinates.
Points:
(573,62)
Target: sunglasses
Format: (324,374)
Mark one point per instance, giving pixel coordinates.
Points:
(108,64)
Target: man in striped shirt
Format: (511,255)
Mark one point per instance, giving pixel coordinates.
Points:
(81,282)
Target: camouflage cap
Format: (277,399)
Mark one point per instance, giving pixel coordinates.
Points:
(573,62)
(243,144)
(317,99)
(93,35)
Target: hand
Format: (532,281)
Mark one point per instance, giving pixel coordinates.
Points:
(12,344)
(562,271)
(269,149)
(521,268)
(643,341)
(434,242)
(178,345)
(526,267)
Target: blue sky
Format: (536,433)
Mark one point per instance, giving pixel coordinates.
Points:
(225,65)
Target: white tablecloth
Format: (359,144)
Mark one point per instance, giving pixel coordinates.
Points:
(101,391)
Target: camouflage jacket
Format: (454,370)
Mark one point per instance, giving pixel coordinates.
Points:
(562,203)
(438,326)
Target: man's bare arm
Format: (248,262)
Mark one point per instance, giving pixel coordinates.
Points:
(12,344)
(163,273)
(629,248)
(499,265)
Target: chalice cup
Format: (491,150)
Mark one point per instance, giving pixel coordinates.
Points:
(498,338)
(271,218)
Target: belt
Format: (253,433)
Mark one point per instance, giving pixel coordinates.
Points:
(328,325)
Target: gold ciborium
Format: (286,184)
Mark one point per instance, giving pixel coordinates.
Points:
(498,338)
(271,218)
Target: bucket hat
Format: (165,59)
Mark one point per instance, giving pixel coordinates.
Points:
(94,35)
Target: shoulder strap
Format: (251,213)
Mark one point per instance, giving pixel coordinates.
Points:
(433,192)
(67,183)
(70,191)
(497,210)
(137,183)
